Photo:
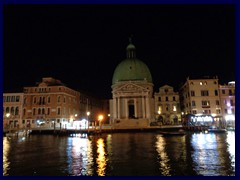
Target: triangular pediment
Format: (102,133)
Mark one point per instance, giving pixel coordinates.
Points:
(131,87)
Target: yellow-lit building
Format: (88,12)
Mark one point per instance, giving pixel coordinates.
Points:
(50,104)
(200,98)
(12,110)
(167,107)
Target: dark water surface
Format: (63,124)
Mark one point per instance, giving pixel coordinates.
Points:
(121,154)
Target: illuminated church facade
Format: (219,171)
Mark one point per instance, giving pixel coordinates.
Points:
(132,103)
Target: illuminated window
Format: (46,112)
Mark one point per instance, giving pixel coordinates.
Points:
(201,83)
(174,108)
(205,103)
(159,109)
(206,111)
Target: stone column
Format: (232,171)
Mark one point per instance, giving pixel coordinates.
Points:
(114,108)
(126,108)
(118,108)
(135,108)
(148,107)
(143,107)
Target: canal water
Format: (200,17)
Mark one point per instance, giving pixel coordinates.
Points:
(120,154)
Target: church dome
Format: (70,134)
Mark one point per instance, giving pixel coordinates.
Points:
(131,69)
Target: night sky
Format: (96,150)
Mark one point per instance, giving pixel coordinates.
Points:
(81,45)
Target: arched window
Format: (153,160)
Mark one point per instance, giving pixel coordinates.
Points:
(39,111)
(16,111)
(34,100)
(43,111)
(34,111)
(7,110)
(59,98)
(12,110)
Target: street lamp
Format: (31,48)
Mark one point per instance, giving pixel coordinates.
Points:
(88,113)
(8,115)
(100,118)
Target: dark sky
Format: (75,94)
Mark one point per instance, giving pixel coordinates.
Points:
(81,45)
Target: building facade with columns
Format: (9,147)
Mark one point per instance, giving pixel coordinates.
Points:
(132,103)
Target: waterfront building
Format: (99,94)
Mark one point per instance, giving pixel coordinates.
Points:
(227,99)
(50,104)
(167,106)
(132,103)
(12,110)
(200,98)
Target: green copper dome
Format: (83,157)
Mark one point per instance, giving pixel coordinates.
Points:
(131,69)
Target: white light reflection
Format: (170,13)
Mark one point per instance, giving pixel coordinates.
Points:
(6,163)
(164,159)
(205,154)
(231,147)
(80,156)
(101,159)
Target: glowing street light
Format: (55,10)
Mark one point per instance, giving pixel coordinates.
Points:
(100,118)
(8,115)
(88,113)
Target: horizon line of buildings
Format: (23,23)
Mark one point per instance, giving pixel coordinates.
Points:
(52,104)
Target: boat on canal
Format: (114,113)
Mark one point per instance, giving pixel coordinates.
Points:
(173,133)
(215,129)
(18,133)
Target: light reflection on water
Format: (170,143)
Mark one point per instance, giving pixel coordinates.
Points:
(133,154)
(211,154)
(6,163)
(101,160)
(164,159)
